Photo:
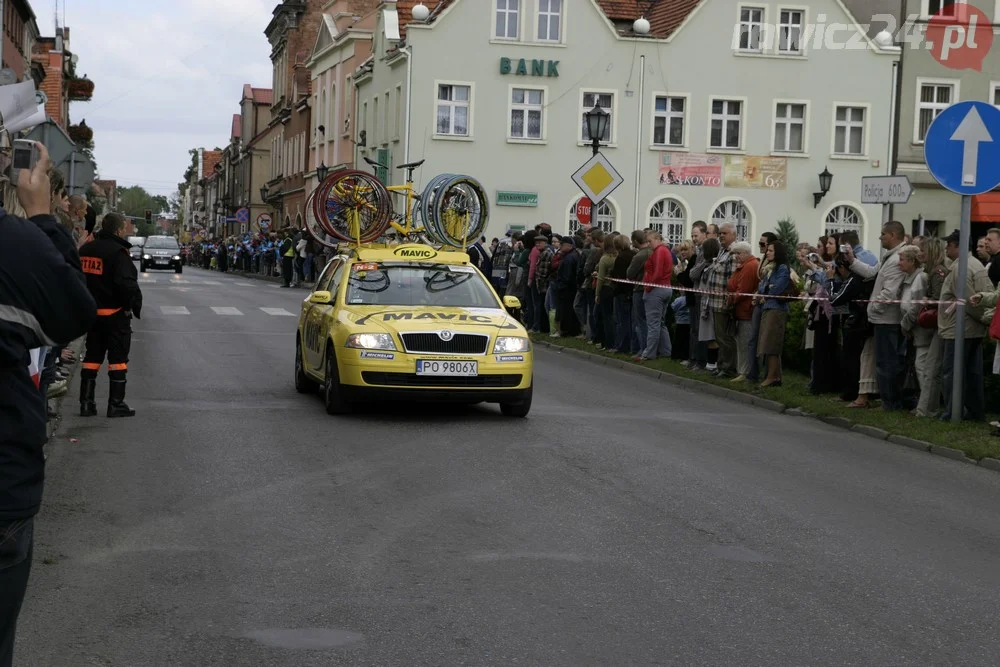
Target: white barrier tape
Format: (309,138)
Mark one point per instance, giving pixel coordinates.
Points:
(922,302)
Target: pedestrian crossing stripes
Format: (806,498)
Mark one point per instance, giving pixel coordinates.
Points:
(210,282)
(227,311)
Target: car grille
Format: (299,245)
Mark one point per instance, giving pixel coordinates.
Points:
(431,343)
(413,380)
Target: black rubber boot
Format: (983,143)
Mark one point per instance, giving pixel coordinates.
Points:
(88,407)
(116,401)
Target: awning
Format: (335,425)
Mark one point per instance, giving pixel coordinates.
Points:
(986,207)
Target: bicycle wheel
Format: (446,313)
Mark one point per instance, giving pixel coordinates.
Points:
(461,212)
(427,201)
(355,206)
(313,225)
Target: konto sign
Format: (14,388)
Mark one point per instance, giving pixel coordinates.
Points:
(961,40)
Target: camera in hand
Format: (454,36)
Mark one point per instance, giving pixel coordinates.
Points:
(25,156)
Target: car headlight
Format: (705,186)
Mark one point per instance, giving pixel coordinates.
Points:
(146,257)
(508,344)
(177,257)
(370,341)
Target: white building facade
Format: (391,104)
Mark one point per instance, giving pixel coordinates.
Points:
(729,111)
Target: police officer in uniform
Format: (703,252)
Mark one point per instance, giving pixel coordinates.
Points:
(112,279)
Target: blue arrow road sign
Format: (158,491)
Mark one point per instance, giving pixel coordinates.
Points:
(962,148)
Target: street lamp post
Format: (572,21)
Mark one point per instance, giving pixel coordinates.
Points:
(825,181)
(597,125)
(321,172)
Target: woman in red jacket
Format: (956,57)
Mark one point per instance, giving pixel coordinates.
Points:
(743,281)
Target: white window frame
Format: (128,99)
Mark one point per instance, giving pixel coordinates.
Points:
(510,111)
(686,118)
(764,30)
(926,4)
(613,142)
(493,21)
(995,85)
(802,30)
(749,216)
(562,22)
(866,134)
(743,124)
(387,133)
(683,222)
(376,121)
(471,85)
(928,81)
(860,210)
(805,128)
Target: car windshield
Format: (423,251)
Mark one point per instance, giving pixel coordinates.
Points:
(163,243)
(418,285)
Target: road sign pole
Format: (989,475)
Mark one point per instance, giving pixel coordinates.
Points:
(961,281)
(885,213)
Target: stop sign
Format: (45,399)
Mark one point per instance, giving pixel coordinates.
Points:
(583,209)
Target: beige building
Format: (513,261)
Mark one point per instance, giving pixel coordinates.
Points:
(721,110)
(254,163)
(344,42)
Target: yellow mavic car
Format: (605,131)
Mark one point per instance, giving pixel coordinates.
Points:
(415,323)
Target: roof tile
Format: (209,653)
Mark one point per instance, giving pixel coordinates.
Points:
(211,159)
(664,17)
(237,126)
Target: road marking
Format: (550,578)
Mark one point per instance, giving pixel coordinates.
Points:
(278,311)
(147,280)
(226,310)
(210,282)
(243,284)
(174,310)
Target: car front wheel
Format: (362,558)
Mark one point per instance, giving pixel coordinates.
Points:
(520,408)
(333,392)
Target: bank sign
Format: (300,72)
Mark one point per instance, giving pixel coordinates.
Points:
(522,66)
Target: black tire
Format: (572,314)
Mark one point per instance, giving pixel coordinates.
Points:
(179,269)
(303,383)
(519,409)
(142,267)
(333,391)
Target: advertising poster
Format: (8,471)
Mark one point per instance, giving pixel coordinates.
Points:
(698,169)
(756,171)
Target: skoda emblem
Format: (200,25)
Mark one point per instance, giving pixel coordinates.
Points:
(446,335)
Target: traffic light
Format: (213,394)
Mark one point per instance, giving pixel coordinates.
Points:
(149,216)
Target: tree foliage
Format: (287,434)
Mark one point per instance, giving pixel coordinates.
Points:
(788,235)
(134,201)
(189,172)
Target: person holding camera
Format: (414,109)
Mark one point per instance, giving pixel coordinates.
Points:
(43,302)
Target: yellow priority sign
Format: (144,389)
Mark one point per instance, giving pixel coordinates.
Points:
(597,178)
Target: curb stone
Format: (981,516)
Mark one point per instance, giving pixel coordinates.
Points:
(780,408)
(949,453)
(990,464)
(839,422)
(871,431)
(910,442)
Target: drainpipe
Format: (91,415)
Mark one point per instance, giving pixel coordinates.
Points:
(409,96)
(638,140)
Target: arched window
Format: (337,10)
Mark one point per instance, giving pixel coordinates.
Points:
(602,216)
(667,217)
(736,212)
(298,221)
(843,218)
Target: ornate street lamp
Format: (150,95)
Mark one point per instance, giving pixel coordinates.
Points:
(825,181)
(597,125)
(263,193)
(321,171)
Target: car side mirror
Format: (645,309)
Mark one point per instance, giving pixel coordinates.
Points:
(512,303)
(321,298)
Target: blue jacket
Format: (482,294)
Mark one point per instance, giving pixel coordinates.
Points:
(44,301)
(776,284)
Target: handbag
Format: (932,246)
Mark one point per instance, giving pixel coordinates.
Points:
(928,317)
(995,325)
(792,290)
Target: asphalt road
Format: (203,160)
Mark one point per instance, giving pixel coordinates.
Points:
(625,522)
